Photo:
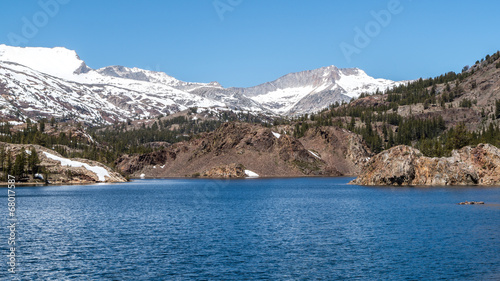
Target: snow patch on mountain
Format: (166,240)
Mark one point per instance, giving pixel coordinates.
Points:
(100,172)
(251,174)
(358,81)
(58,61)
(314,154)
(281,101)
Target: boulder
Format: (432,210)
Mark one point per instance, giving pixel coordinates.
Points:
(226,171)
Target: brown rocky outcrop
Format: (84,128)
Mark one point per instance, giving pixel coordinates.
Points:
(370,101)
(130,164)
(404,165)
(342,150)
(323,152)
(226,171)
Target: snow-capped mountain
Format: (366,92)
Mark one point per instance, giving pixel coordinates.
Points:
(313,90)
(38,82)
(45,82)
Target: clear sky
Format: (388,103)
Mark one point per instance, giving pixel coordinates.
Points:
(247,42)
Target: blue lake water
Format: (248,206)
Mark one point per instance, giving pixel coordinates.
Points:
(275,229)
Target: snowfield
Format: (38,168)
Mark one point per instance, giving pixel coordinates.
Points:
(59,62)
(101,172)
(251,174)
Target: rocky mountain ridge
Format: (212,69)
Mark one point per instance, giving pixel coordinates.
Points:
(44,82)
(324,152)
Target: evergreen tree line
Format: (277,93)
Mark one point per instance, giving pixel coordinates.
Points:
(24,163)
(456,138)
(417,91)
(110,142)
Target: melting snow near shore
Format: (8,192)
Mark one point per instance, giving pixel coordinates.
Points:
(251,174)
(99,171)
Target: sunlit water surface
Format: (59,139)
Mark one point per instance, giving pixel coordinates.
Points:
(276,229)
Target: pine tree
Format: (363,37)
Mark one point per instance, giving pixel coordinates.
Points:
(19,164)
(2,158)
(390,142)
(296,132)
(352,124)
(33,162)
(42,125)
(497,109)
(458,137)
(8,169)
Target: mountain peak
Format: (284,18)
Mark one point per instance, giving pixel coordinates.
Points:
(215,84)
(139,74)
(57,61)
(124,72)
(329,68)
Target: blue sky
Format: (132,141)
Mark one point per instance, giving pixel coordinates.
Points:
(244,43)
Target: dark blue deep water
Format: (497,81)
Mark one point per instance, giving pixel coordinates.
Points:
(275,229)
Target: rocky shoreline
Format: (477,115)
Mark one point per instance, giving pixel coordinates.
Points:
(404,165)
(58,170)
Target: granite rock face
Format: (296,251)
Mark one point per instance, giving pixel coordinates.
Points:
(342,150)
(404,165)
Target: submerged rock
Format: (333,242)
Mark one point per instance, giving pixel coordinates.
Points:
(404,165)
